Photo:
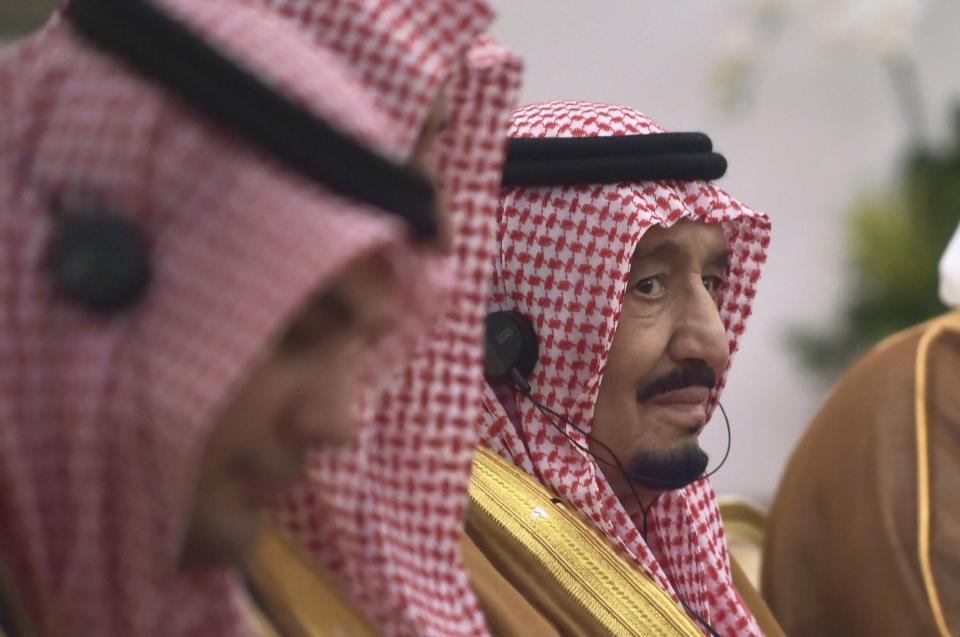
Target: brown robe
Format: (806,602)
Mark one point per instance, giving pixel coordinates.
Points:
(844,544)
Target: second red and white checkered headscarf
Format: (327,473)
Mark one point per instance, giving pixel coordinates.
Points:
(402,50)
(564,261)
(388,516)
(104,419)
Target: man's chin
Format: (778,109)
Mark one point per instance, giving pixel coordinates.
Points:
(668,470)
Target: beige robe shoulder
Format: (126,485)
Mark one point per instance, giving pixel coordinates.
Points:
(864,534)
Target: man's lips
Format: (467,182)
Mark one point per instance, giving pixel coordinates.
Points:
(688,404)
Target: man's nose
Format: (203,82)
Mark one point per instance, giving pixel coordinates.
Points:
(700,333)
(328,415)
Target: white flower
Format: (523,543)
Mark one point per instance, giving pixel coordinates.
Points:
(749,26)
(886,27)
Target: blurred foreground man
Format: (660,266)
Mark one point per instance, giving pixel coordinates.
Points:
(380,524)
(864,534)
(622,282)
(183,302)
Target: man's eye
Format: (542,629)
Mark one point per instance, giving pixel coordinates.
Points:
(651,286)
(712,283)
(299,337)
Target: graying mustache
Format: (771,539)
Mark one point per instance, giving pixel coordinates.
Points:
(681,378)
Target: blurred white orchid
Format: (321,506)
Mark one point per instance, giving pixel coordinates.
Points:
(887,28)
(750,25)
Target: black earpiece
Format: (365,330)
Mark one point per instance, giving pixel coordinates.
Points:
(99,260)
(511,346)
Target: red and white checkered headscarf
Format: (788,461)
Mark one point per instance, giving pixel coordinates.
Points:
(103,420)
(564,261)
(388,516)
(402,50)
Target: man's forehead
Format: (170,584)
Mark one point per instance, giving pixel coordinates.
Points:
(684,238)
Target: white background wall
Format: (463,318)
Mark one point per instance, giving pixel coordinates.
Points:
(822,126)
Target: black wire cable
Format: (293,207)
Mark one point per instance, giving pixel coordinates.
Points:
(524,388)
(726,454)
(697,616)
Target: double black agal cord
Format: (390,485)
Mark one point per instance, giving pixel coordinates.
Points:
(565,161)
(165,50)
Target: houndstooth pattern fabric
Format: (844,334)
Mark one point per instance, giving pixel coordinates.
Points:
(400,49)
(104,419)
(564,261)
(387,517)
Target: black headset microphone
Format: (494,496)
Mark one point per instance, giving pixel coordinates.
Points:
(510,354)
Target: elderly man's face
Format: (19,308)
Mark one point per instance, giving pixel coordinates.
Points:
(299,396)
(669,350)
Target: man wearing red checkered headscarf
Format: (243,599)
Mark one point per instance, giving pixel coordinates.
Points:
(384,520)
(636,274)
(182,303)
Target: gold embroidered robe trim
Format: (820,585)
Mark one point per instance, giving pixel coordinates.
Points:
(581,580)
(948,324)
